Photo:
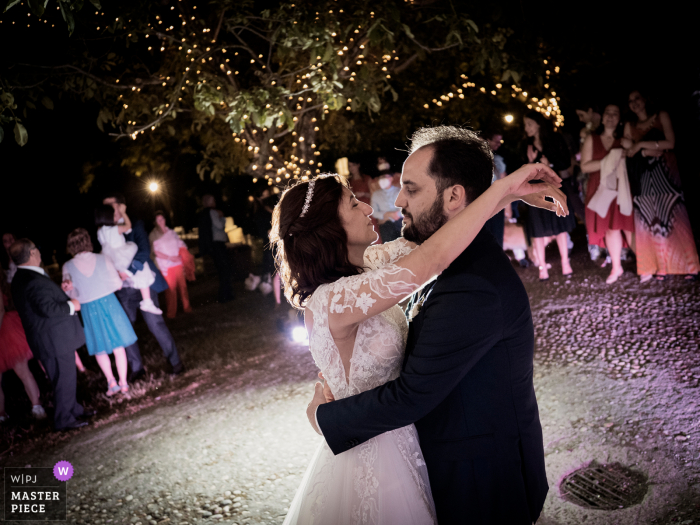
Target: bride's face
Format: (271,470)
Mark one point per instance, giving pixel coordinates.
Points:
(355,217)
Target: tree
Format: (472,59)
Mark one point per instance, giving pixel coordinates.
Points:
(251,86)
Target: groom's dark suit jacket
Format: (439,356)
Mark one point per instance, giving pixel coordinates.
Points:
(467,385)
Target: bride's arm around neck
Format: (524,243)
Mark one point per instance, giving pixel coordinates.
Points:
(353,299)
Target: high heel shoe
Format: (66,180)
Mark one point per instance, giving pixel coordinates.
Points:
(564,267)
(614,276)
(546,274)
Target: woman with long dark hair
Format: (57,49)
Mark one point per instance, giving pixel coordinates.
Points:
(548,147)
(606,231)
(664,238)
(350,292)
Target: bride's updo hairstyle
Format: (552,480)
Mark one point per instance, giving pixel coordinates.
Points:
(310,250)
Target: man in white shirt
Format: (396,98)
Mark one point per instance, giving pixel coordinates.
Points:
(53,330)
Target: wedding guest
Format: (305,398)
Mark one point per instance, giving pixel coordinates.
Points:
(212,241)
(92,279)
(8,265)
(169,250)
(358,182)
(360,185)
(15,352)
(384,195)
(663,236)
(496,223)
(548,147)
(52,328)
(121,252)
(605,232)
(590,118)
(130,299)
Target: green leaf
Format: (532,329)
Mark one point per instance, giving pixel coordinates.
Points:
(68,17)
(11,3)
(47,102)
(96,3)
(21,135)
(30,104)
(408,32)
(37,7)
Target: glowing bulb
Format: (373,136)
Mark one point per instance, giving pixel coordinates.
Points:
(153,187)
(299,334)
(508,118)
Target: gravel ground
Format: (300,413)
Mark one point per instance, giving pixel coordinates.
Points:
(616,374)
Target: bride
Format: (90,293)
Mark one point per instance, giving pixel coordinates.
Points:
(349,290)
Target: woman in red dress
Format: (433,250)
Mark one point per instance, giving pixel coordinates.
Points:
(15,352)
(605,232)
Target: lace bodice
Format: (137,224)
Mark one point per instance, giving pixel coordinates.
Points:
(381,339)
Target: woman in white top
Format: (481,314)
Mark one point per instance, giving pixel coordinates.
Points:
(92,279)
(166,246)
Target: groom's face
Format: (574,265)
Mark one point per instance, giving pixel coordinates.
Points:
(420,202)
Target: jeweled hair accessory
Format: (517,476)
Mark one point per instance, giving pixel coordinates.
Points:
(309,196)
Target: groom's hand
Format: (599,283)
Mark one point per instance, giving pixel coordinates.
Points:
(319,399)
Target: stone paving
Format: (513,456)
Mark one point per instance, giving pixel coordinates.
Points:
(616,375)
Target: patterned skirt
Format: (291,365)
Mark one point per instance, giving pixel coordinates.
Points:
(664,238)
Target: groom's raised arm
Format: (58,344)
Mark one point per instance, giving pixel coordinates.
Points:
(455,334)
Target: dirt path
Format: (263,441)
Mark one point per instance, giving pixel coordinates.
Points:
(228,442)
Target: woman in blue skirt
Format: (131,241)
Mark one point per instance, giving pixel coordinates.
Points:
(92,279)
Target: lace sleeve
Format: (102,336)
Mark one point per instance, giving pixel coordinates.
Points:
(379,255)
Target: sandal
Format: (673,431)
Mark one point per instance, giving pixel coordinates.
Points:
(645,278)
(613,277)
(543,269)
(569,273)
(114,388)
(691,277)
(660,277)
(124,388)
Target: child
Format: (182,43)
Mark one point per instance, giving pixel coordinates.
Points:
(111,237)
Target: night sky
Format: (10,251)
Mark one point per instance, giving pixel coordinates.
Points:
(604,49)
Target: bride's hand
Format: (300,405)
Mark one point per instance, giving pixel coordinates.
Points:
(326,389)
(519,183)
(519,186)
(538,200)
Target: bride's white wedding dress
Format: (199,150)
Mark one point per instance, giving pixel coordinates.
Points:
(383,481)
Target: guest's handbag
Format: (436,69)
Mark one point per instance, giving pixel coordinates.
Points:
(187,263)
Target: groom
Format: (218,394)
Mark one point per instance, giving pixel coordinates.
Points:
(466,382)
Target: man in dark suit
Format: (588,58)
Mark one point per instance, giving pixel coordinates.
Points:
(212,241)
(130,298)
(53,330)
(467,376)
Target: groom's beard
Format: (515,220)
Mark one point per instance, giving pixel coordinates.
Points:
(425,225)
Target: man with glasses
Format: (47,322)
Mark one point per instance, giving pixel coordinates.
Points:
(53,330)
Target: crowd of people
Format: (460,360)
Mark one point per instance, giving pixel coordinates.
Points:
(39,319)
(620,179)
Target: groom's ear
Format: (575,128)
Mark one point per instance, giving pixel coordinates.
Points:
(455,198)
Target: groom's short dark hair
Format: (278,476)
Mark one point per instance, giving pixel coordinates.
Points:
(460,157)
